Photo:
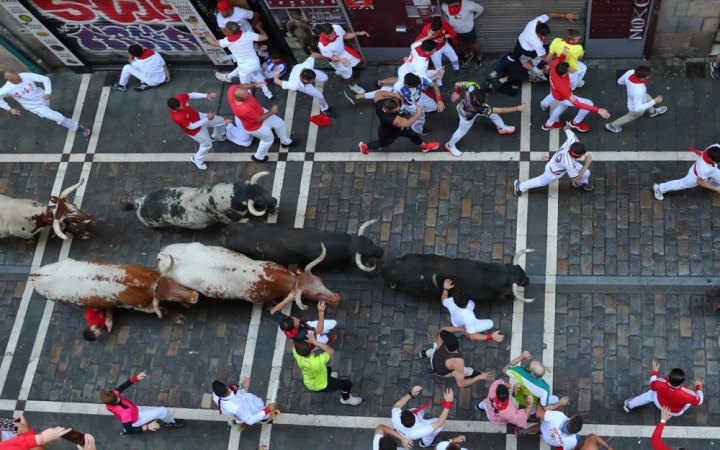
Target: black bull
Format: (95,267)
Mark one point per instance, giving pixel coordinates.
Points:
(423,276)
(286,246)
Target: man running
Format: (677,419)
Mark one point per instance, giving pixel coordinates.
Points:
(411,423)
(575,51)
(561,91)
(440,31)
(668,392)
(564,162)
(342,58)
(704,172)
(461,15)
(147,66)
(22,87)
(638,102)
(462,315)
(196,124)
(297,329)
(447,361)
(558,430)
(474,105)
(303,78)
(242,407)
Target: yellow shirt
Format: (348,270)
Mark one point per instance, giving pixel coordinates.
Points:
(314,370)
(557,47)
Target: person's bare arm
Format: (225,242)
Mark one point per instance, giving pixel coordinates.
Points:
(109,319)
(515,361)
(288,298)
(273,110)
(570,17)
(349,36)
(563,402)
(458,366)
(402,122)
(321,317)
(167,73)
(276,78)
(540,412)
(388,431)
(496,336)
(382,95)
(414,392)
(447,285)
(518,108)
(707,185)
(586,165)
(447,404)
(438,97)
(208,38)
(313,340)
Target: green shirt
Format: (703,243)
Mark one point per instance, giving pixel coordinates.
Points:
(314,370)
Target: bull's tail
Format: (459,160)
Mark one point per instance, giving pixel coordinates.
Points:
(126,206)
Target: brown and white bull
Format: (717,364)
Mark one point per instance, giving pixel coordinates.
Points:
(99,284)
(217,272)
(25,218)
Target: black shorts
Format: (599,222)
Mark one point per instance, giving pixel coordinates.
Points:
(470,37)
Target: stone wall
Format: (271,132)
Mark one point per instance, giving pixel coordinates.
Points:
(686,27)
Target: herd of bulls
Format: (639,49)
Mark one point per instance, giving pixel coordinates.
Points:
(257,261)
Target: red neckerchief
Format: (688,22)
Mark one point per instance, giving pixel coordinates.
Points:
(146,53)
(500,406)
(421,53)
(541,37)
(324,40)
(292,333)
(423,406)
(707,159)
(573,155)
(455,10)
(234,37)
(568,43)
(633,79)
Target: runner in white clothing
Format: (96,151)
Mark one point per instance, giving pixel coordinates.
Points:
(704,172)
(145,65)
(242,46)
(462,315)
(302,79)
(341,57)
(242,407)
(558,430)
(22,87)
(246,18)
(410,423)
(564,162)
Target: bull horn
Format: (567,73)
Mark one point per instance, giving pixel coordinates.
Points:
(298,300)
(156,307)
(519,255)
(361,266)
(361,230)
(257,176)
(318,260)
(516,293)
(67,191)
(253,211)
(169,268)
(58,230)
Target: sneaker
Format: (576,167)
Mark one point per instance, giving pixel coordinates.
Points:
(612,128)
(659,197)
(424,445)
(334,374)
(364,148)
(580,84)
(267,93)
(352,401)
(199,164)
(332,337)
(587,187)
(118,87)
(273,414)
(222,76)
(480,406)
(459,70)
(425,131)
(123,433)
(453,150)
(543,107)
(516,188)
(464,63)
(357,89)
(264,160)
(507,129)
(626,403)
(179,423)
(143,87)
(714,71)
(350,97)
(580,126)
(428,146)
(423,353)
(478,62)
(555,125)
(537,73)
(84,131)
(330,113)
(222,138)
(293,143)
(658,111)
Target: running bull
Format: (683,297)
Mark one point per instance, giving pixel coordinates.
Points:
(286,246)
(25,218)
(98,284)
(198,208)
(217,272)
(423,276)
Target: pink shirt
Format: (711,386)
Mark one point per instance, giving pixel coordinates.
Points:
(511,414)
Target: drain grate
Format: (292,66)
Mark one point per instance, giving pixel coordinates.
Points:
(695,69)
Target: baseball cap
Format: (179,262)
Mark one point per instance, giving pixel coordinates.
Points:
(223,5)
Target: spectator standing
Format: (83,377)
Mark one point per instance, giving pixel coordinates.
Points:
(461,15)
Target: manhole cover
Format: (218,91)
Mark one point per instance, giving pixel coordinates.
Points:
(695,70)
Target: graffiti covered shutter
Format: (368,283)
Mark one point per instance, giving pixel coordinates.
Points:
(102,30)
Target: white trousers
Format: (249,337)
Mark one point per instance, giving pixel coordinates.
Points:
(450,54)
(250,74)
(236,133)
(548,177)
(312,91)
(467,371)
(465,126)
(345,72)
(45,112)
(203,137)
(577,76)
(328,326)
(130,70)
(147,415)
(265,134)
(428,439)
(562,106)
(687,182)
(651,397)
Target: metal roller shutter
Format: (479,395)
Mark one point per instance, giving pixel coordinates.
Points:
(503,20)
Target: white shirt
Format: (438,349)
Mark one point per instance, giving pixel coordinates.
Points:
(636,93)
(529,40)
(415,63)
(293,83)
(550,429)
(240,16)
(704,170)
(243,49)
(27,93)
(152,67)
(464,21)
(418,431)
(336,47)
(242,407)
(562,162)
(444,445)
(463,317)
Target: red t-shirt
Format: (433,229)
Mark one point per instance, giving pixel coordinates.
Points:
(674,398)
(441,37)
(249,111)
(559,85)
(23,441)
(656,439)
(95,316)
(186,116)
